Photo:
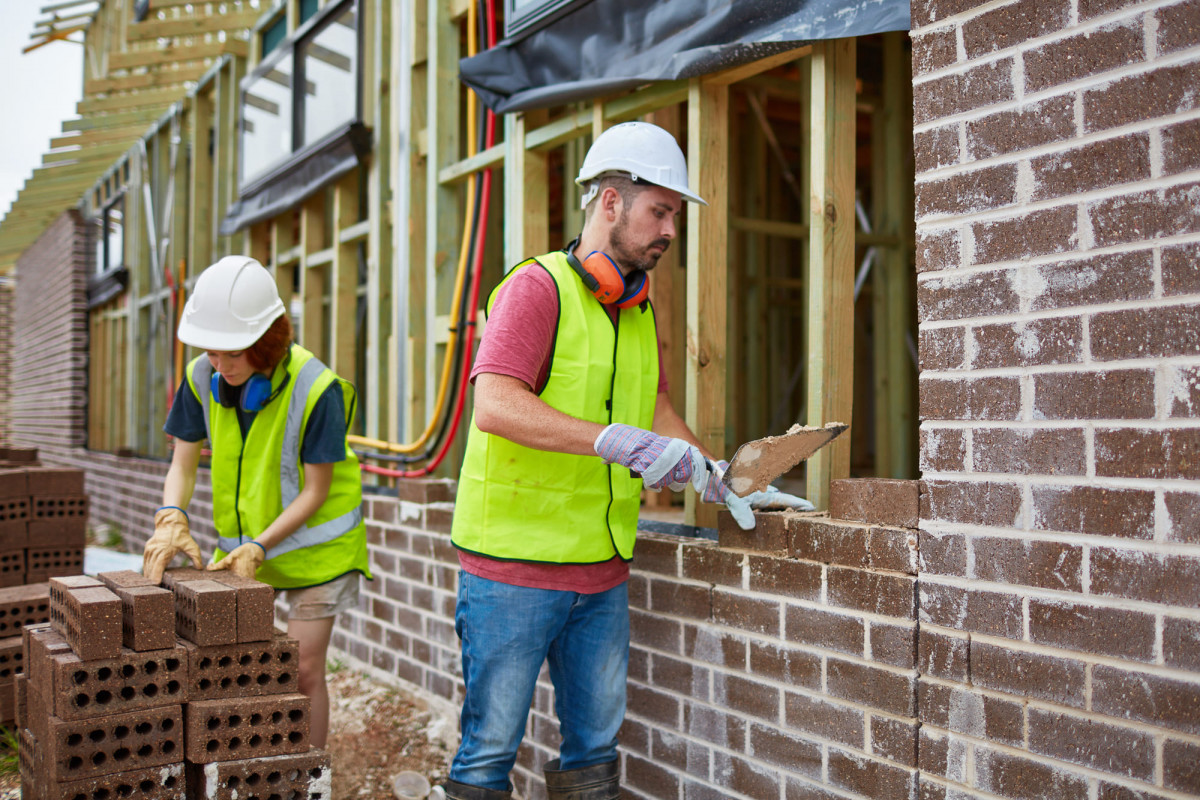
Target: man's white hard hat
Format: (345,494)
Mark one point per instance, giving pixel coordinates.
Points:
(233,304)
(643,151)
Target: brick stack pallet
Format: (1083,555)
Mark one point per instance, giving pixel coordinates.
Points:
(133,690)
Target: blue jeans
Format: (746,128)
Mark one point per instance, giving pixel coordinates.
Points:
(507,632)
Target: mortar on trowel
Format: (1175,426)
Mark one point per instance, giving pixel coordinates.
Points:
(756,464)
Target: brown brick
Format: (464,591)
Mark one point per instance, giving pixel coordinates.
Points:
(147,617)
(980,294)
(972,89)
(1155,332)
(1128,513)
(66,532)
(713,565)
(936,147)
(746,613)
(243,669)
(1090,743)
(1107,278)
(962,709)
(680,599)
(872,592)
(894,739)
(655,631)
(682,677)
(1013,24)
(932,752)
(971,610)
(1009,775)
(972,503)
(1044,122)
(1181,643)
(770,532)
(153,783)
(1143,697)
(894,645)
(1149,214)
(426,490)
(1009,670)
(942,349)
(54,481)
(58,507)
(982,189)
(1065,60)
(1177,27)
(743,776)
(223,730)
(23,605)
(650,704)
(927,12)
(1057,340)
(793,753)
(1179,273)
(204,610)
(814,628)
(1184,391)
(302,776)
(942,655)
(11,662)
(1150,577)
(88,617)
(1111,791)
(1181,765)
(797,668)
(1183,510)
(12,568)
(255,606)
(1018,451)
(933,50)
(1181,147)
(870,777)
(938,250)
(173,577)
(1148,453)
(1092,629)
(880,501)
(830,541)
(745,696)
(892,549)
(650,777)
(892,692)
(13,483)
(796,579)
(1046,565)
(943,449)
(1111,394)
(1038,233)
(995,398)
(1155,93)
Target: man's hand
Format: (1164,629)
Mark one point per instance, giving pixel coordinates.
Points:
(171,536)
(244,560)
(660,460)
(715,491)
(771,499)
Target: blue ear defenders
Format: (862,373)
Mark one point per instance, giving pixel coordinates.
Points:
(603,277)
(256,392)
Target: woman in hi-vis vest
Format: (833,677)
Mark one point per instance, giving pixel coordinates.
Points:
(286,488)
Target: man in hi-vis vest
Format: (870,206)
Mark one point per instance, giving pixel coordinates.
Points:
(571,421)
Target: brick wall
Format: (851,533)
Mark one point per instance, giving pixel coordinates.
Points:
(1058,222)
(7,285)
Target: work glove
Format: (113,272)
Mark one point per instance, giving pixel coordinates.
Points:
(243,560)
(715,491)
(170,537)
(662,462)
(771,499)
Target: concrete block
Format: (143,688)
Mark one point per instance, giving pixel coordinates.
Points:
(44,563)
(13,568)
(88,617)
(54,481)
(881,501)
(302,776)
(62,532)
(58,506)
(206,612)
(23,605)
(77,689)
(255,606)
(12,659)
(242,670)
(250,727)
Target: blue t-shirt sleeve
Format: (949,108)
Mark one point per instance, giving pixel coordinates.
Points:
(185,420)
(325,437)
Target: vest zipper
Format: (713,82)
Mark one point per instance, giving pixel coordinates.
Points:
(237,490)
(612,382)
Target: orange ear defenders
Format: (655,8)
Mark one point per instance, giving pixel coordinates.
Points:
(603,277)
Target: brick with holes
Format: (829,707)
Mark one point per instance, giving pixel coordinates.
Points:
(88,616)
(77,689)
(147,610)
(255,606)
(206,612)
(248,727)
(167,782)
(13,568)
(173,577)
(44,563)
(248,669)
(58,506)
(12,659)
(62,532)
(301,776)
(23,605)
(51,481)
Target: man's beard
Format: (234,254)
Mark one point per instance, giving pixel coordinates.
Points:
(625,255)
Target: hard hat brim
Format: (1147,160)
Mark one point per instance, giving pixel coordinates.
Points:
(206,339)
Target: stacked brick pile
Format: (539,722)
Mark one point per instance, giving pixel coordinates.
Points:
(43,519)
(136,690)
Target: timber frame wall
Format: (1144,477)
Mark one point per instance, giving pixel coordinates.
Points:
(1037,636)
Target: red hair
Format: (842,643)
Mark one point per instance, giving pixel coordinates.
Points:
(272,346)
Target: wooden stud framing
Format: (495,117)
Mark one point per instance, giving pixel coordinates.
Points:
(343,302)
(312,277)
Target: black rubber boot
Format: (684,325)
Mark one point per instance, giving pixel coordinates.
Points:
(598,782)
(465,791)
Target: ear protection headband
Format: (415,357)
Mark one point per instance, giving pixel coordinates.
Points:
(603,277)
(256,391)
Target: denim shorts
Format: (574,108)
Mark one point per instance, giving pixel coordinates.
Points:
(326,600)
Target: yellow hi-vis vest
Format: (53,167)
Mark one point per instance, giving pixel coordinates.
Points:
(516,503)
(255,479)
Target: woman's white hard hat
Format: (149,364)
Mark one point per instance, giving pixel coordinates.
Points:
(233,304)
(644,151)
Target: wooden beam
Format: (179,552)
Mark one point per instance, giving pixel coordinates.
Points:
(312,279)
(461,170)
(177,53)
(92,154)
(104,121)
(159,98)
(145,80)
(831,258)
(343,300)
(726,77)
(100,136)
(707,270)
(191,26)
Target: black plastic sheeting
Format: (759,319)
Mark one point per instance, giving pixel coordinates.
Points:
(611,45)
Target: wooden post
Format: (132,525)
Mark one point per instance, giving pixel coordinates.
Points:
(283,239)
(343,291)
(707,262)
(200,248)
(312,278)
(831,258)
(526,192)
(378,66)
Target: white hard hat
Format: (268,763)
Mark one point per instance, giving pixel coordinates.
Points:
(233,304)
(646,152)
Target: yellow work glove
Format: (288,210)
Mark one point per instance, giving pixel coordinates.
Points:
(244,560)
(170,537)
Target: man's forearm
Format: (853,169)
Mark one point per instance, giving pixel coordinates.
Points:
(507,407)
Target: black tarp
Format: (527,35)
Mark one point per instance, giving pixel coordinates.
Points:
(610,45)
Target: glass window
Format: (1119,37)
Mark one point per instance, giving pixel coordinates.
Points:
(274,34)
(307,9)
(110,243)
(267,119)
(330,72)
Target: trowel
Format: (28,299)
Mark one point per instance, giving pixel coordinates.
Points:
(757,463)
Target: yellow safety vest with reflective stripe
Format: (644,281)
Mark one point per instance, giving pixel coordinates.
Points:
(520,504)
(254,479)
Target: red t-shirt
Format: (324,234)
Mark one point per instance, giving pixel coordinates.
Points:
(517,342)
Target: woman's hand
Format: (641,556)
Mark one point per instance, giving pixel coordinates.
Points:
(244,560)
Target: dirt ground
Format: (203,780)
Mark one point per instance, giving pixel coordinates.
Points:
(377,731)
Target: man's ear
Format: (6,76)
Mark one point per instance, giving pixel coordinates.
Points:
(610,203)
